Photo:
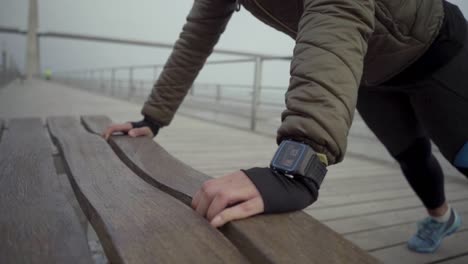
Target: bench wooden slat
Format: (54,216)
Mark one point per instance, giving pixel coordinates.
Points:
(37,225)
(294,237)
(182,182)
(135,222)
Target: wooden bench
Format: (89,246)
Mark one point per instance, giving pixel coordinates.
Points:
(136,197)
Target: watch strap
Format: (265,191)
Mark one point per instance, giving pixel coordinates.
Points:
(316,170)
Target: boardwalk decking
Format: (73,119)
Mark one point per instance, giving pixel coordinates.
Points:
(365,198)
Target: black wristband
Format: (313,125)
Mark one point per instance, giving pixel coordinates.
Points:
(147,122)
(281,194)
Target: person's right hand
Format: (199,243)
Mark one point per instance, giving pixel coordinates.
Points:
(127,128)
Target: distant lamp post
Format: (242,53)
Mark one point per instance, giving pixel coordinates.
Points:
(32,49)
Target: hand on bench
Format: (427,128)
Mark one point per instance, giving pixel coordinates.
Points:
(214,199)
(238,195)
(128,128)
(228,198)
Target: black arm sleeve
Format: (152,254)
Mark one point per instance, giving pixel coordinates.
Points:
(147,122)
(281,194)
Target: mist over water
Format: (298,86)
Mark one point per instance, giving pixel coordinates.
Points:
(151,20)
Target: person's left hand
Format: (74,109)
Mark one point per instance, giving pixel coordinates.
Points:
(228,198)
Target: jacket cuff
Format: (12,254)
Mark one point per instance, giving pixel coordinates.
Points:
(157,115)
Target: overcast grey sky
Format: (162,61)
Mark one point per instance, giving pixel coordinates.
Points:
(153,20)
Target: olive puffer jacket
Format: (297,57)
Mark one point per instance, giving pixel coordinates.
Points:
(341,45)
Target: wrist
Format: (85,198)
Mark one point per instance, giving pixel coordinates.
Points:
(298,160)
(153,125)
(282,194)
(147,122)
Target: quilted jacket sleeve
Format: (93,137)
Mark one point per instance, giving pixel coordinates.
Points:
(206,22)
(325,74)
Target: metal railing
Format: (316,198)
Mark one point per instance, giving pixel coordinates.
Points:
(253,101)
(239,104)
(7,76)
(8,71)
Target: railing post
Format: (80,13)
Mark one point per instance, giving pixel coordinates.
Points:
(91,77)
(130,82)
(101,80)
(256,92)
(156,72)
(218,93)
(4,61)
(142,88)
(112,82)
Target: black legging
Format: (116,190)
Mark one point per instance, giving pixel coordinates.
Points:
(406,116)
(423,172)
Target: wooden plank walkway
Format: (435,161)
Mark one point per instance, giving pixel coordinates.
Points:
(363,198)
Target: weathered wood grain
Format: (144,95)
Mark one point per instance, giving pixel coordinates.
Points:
(355,210)
(135,222)
(384,219)
(463,259)
(72,200)
(285,238)
(182,181)
(338,200)
(37,225)
(394,181)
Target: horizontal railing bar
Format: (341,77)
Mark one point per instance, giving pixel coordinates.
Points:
(11,30)
(275,88)
(151,66)
(117,68)
(197,85)
(222,86)
(148,44)
(216,62)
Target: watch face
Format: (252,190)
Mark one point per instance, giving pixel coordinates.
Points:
(289,155)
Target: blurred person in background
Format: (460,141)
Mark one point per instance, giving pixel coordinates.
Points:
(402,64)
(48,74)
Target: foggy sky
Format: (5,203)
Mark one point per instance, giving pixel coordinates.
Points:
(152,20)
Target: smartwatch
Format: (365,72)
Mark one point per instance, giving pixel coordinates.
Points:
(295,159)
